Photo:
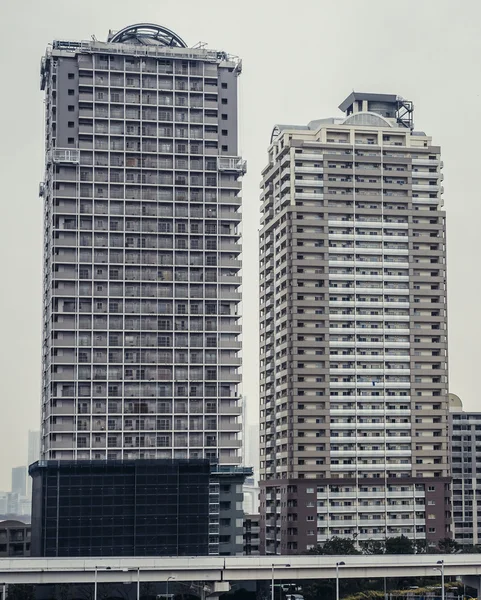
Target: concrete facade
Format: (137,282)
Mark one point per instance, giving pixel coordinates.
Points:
(465,435)
(141,250)
(354,378)
(252,529)
(14,538)
(231,511)
(213,570)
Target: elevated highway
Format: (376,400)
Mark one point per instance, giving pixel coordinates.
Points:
(231,569)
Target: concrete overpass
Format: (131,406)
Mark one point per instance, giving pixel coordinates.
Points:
(232,569)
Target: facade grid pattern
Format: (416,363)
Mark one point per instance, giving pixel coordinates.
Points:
(141,253)
(353,333)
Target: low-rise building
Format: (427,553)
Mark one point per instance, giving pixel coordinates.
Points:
(122,508)
(14,538)
(137,508)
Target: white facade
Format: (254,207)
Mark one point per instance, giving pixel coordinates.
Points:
(141,250)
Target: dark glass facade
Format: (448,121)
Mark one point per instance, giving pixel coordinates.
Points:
(120,508)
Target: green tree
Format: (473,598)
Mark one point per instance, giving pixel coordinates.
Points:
(338,546)
(399,545)
(62,591)
(421,547)
(471,549)
(448,546)
(22,591)
(372,546)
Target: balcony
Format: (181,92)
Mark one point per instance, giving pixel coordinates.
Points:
(232,163)
(65,155)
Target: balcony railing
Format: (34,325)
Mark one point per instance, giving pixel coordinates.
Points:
(65,155)
(232,163)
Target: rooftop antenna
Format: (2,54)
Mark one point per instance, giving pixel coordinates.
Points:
(94,39)
(200,45)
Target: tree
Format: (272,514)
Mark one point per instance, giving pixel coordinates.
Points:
(372,546)
(420,547)
(399,545)
(338,546)
(471,549)
(23,591)
(448,546)
(62,591)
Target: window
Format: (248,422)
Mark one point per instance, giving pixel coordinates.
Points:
(224,117)
(70,141)
(224,100)
(71,92)
(71,75)
(224,86)
(71,108)
(71,124)
(225,132)
(224,148)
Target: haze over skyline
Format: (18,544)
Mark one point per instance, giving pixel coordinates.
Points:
(297,66)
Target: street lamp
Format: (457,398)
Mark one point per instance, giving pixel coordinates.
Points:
(339,564)
(441,570)
(272,582)
(167,587)
(96,568)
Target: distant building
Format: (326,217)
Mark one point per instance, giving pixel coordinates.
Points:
(251,496)
(3,503)
(122,508)
(465,435)
(19,481)
(12,503)
(251,535)
(33,455)
(24,506)
(251,448)
(33,446)
(14,538)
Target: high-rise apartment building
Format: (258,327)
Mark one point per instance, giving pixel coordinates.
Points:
(141,249)
(354,373)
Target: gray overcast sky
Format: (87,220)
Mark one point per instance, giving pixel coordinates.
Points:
(301,59)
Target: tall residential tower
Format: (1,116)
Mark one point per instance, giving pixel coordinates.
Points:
(353,330)
(141,249)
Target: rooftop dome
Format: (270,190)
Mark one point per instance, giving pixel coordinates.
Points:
(367,118)
(147,34)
